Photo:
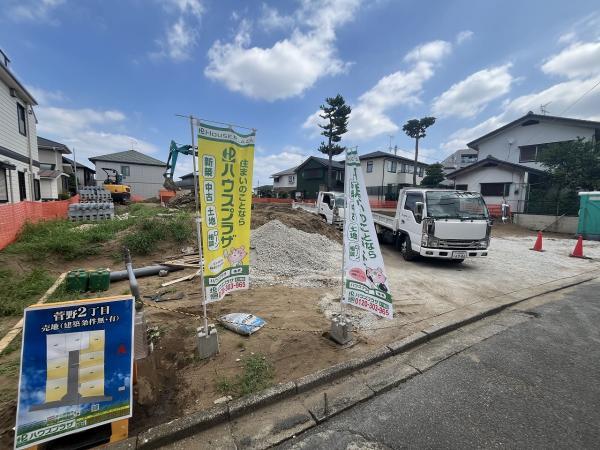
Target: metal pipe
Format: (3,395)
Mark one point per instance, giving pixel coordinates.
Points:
(119,275)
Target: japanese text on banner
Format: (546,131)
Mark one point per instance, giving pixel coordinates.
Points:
(226,161)
(366,284)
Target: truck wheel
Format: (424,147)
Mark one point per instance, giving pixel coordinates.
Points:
(406,249)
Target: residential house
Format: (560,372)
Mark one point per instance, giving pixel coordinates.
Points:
(508,157)
(54,180)
(19,162)
(311,177)
(85,175)
(142,172)
(284,182)
(385,174)
(187,182)
(459,159)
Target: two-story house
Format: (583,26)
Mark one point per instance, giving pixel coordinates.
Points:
(385,174)
(508,157)
(85,175)
(311,177)
(54,179)
(284,182)
(142,172)
(19,162)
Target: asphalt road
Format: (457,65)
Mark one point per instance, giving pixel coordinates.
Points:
(535,385)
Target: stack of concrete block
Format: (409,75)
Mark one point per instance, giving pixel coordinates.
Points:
(96,194)
(92,211)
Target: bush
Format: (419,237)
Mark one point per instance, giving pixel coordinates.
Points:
(258,375)
(21,290)
(150,231)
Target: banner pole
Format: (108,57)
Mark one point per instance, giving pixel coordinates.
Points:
(196,166)
(342,307)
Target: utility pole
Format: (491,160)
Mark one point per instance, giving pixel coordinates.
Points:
(390,146)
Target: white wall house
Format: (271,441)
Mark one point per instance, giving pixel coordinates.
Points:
(54,180)
(19,161)
(142,172)
(386,173)
(508,159)
(284,181)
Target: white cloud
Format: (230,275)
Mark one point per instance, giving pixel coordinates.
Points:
(578,60)
(181,36)
(368,117)
(271,19)
(265,166)
(430,52)
(44,97)
(464,36)
(89,131)
(291,65)
(567,38)
(470,96)
(563,98)
(34,10)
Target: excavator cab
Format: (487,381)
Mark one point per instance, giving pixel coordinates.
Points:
(120,193)
(174,152)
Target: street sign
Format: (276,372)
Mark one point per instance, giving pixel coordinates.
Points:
(76,368)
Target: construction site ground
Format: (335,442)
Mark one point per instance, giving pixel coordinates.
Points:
(174,382)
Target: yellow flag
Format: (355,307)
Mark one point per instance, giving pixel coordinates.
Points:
(225,162)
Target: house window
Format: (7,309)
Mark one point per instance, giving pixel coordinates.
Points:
(403,168)
(391,166)
(462,187)
(420,173)
(338,175)
(125,171)
(495,189)
(22,187)
(36,189)
(527,153)
(369,166)
(21,118)
(3,186)
(276,179)
(291,179)
(46,166)
(312,174)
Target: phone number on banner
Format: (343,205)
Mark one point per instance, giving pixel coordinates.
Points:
(357,299)
(226,286)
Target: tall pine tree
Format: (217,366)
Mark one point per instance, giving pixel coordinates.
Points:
(415,128)
(335,113)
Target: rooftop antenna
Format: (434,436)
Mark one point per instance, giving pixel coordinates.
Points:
(395,150)
(544,109)
(390,146)
(133,141)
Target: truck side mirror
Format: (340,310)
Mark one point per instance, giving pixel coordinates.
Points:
(331,203)
(419,211)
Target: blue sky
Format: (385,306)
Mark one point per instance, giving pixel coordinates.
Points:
(109,75)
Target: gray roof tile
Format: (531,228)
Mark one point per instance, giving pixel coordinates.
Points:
(129,156)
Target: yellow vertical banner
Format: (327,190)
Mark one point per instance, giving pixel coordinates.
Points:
(225,163)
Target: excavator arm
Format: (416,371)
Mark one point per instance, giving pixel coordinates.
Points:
(174,152)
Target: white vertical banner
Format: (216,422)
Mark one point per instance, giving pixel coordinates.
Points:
(366,283)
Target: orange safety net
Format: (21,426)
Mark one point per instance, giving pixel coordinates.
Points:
(272,200)
(13,216)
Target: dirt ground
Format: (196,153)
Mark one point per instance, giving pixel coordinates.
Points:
(173,382)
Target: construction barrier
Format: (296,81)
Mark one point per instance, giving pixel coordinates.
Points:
(165,195)
(13,216)
(496,210)
(285,201)
(383,204)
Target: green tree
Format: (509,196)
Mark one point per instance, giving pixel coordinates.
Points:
(415,128)
(434,175)
(573,165)
(335,113)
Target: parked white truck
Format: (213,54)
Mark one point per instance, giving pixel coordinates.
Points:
(437,223)
(329,206)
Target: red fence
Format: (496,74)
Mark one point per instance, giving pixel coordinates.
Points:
(14,215)
(383,204)
(496,210)
(285,201)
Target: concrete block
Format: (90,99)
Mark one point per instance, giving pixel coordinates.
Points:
(438,350)
(322,376)
(373,357)
(207,345)
(182,427)
(408,342)
(342,395)
(271,425)
(254,401)
(340,331)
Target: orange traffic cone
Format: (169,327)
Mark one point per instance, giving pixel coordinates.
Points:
(538,243)
(578,250)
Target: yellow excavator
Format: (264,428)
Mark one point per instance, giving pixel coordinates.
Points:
(120,193)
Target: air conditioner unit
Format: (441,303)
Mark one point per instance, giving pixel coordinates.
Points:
(13,92)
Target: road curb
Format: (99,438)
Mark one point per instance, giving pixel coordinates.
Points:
(186,426)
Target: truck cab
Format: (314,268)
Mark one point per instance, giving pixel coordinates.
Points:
(330,206)
(439,223)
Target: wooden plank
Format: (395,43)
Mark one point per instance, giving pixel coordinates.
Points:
(16,329)
(177,280)
(120,430)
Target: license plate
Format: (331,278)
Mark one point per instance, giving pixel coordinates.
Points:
(459,255)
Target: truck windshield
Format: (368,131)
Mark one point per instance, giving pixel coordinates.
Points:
(455,205)
(339,201)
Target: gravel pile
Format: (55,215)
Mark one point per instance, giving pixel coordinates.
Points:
(284,255)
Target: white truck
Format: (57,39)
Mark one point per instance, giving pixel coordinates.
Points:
(437,223)
(329,206)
